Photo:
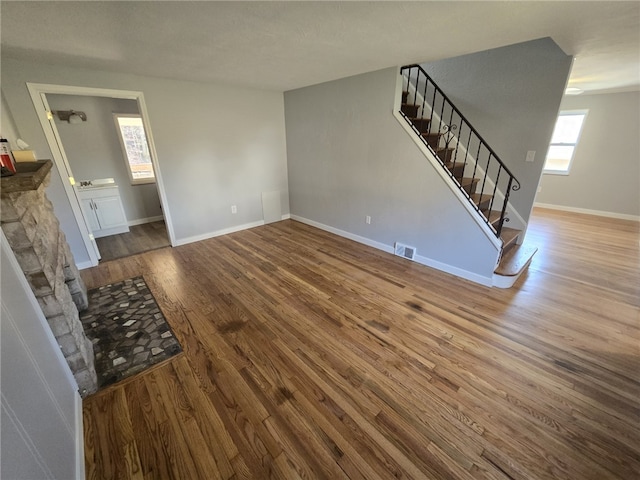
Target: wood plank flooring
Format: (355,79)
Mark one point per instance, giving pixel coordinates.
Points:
(139,239)
(309,356)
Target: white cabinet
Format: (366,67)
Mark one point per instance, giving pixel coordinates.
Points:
(103,210)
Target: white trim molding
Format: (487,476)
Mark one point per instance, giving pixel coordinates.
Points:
(427,262)
(217,233)
(79,434)
(586,211)
(38,92)
(141,221)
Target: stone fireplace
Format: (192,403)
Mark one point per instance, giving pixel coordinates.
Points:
(33,231)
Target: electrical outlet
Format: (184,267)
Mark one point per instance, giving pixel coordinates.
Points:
(531,156)
(234,209)
(539,189)
(367,220)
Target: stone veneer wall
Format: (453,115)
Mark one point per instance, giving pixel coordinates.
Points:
(33,231)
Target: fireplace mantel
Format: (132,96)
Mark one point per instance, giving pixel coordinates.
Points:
(29,176)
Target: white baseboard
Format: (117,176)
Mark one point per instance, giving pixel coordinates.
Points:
(217,233)
(600,213)
(141,221)
(458,272)
(79,433)
(197,238)
(428,262)
(344,234)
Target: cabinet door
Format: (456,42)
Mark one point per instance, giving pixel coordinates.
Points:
(89,214)
(109,212)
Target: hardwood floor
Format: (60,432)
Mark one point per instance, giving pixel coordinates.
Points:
(309,356)
(140,238)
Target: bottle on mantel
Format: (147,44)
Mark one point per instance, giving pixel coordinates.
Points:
(7,164)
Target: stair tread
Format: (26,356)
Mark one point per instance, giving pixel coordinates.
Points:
(467,181)
(516,260)
(478,198)
(509,236)
(493,216)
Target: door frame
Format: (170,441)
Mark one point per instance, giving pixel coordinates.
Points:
(38,92)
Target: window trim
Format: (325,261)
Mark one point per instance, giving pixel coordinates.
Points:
(584,113)
(125,156)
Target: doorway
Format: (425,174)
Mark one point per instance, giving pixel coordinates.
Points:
(95,151)
(87,150)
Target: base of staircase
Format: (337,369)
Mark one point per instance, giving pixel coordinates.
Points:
(512,264)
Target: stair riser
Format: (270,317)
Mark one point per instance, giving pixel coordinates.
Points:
(471,188)
(432,140)
(422,124)
(445,155)
(457,171)
(484,205)
(410,110)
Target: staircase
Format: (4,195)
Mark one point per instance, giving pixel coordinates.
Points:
(472,165)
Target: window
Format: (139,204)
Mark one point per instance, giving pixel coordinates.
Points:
(564,141)
(135,148)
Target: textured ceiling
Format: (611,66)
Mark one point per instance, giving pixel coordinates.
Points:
(286,45)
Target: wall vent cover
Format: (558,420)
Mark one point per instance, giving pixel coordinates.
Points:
(405,251)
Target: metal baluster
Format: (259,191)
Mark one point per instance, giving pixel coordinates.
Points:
(424,103)
(466,155)
(495,189)
(504,206)
(444,129)
(486,174)
(415,94)
(448,140)
(433,106)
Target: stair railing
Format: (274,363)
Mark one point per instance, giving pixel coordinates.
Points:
(458,147)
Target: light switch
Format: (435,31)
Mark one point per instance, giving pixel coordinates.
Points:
(531,156)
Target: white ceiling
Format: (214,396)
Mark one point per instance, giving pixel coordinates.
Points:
(286,45)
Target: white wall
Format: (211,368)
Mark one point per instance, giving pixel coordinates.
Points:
(349,157)
(511,96)
(41,435)
(217,145)
(605,173)
(93,149)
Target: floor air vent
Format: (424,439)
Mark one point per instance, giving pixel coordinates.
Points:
(405,251)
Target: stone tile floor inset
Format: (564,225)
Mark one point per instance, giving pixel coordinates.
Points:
(123,347)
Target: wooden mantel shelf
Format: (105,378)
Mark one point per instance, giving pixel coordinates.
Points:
(29,176)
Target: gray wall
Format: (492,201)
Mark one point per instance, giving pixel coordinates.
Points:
(40,401)
(511,96)
(7,125)
(349,157)
(605,173)
(55,192)
(93,149)
(217,145)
